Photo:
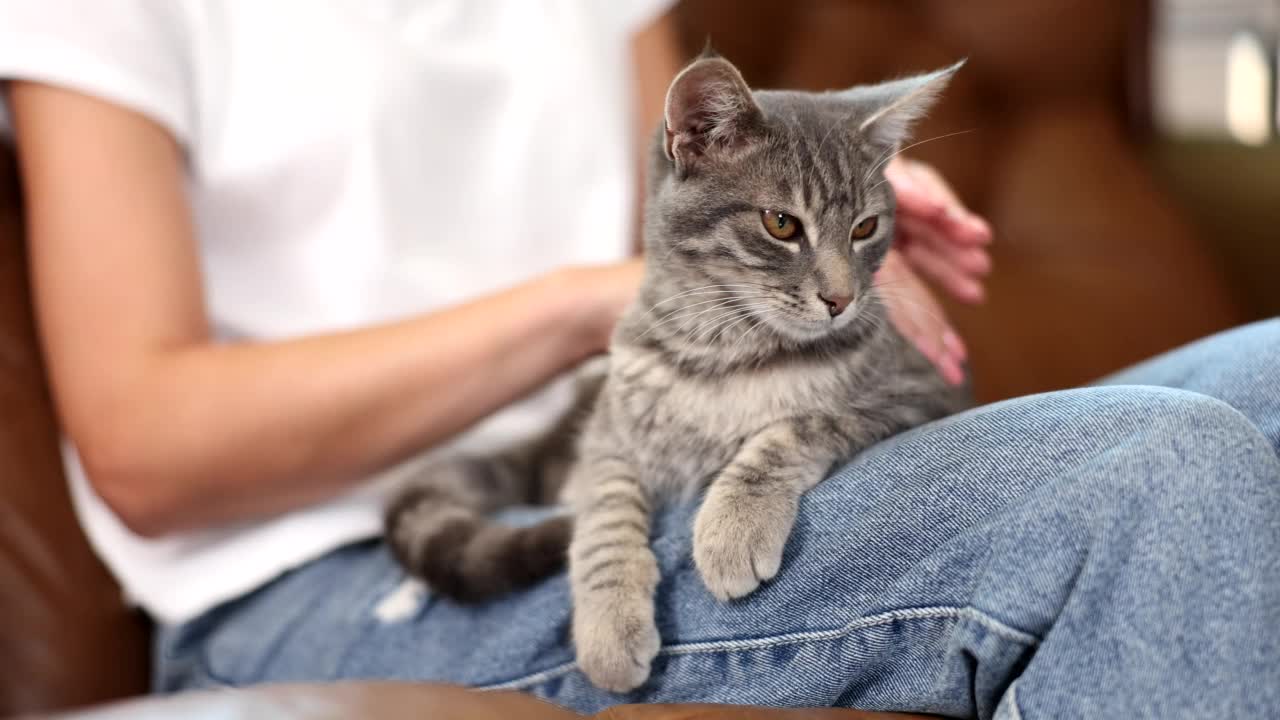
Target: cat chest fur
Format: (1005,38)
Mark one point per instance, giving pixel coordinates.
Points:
(680,429)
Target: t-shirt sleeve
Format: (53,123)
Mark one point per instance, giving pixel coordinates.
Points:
(133,53)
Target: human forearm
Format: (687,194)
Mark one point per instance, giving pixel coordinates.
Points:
(206,433)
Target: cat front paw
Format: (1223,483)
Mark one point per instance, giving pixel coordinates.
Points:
(737,546)
(616,643)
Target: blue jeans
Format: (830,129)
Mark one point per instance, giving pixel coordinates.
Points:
(1112,551)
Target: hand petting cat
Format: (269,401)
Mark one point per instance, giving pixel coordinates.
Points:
(939,238)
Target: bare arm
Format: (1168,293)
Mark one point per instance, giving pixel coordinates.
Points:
(178,432)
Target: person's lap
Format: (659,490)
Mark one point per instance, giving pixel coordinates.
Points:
(1241,367)
(1089,544)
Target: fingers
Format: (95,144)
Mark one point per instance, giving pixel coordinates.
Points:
(951,370)
(937,234)
(926,199)
(972,259)
(954,346)
(962,227)
(919,194)
(940,351)
(957,268)
(965,285)
(944,358)
(941,239)
(919,318)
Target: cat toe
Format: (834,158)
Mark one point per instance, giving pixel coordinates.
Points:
(727,569)
(615,651)
(734,555)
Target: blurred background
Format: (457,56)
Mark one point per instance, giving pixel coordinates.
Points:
(1125,151)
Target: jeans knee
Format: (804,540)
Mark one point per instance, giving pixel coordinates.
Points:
(1170,436)
(1187,407)
(1256,348)
(1262,337)
(1213,446)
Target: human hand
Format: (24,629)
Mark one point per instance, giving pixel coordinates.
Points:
(940,238)
(936,233)
(604,292)
(915,312)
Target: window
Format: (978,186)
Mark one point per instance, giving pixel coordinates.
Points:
(1214,66)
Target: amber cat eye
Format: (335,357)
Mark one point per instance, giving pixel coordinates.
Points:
(866,228)
(780,225)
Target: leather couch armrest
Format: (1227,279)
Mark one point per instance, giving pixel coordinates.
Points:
(413,701)
(66,637)
(743,712)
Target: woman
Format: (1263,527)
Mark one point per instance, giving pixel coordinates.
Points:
(278,249)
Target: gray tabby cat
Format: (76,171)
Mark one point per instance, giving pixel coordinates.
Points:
(757,358)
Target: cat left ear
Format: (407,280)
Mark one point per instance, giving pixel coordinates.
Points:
(709,111)
(898,104)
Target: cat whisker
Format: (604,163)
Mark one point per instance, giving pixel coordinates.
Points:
(885,160)
(683,314)
(708,302)
(915,305)
(745,316)
(736,302)
(707,290)
(689,310)
(877,322)
(688,316)
(732,312)
(708,326)
(701,288)
(718,325)
(760,323)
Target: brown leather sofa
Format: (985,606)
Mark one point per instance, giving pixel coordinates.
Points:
(1096,268)
(396,701)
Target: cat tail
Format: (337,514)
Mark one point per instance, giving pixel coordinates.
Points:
(439,530)
(445,539)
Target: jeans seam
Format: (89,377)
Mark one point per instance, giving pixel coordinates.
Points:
(860,623)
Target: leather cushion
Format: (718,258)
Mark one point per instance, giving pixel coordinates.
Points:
(66,637)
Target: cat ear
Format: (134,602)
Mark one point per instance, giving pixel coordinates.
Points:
(709,110)
(896,105)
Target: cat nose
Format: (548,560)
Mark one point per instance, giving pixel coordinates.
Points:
(835,303)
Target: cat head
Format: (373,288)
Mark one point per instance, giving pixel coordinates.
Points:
(776,200)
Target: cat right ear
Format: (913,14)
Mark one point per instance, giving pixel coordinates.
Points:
(896,105)
(709,111)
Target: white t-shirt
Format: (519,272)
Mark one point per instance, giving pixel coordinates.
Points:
(351,162)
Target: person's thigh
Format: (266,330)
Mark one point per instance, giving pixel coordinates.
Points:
(928,575)
(1241,367)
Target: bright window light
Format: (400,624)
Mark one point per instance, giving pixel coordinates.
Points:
(1248,90)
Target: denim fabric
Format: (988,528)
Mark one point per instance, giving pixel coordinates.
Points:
(1111,551)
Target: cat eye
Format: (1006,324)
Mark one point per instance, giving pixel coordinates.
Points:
(780,225)
(865,229)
